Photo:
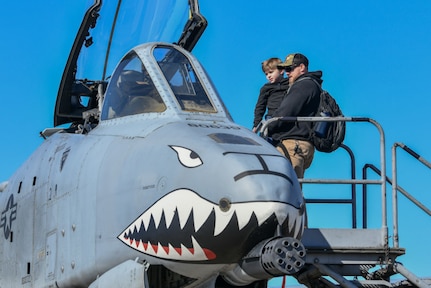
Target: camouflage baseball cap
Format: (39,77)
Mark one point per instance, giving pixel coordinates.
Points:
(293,59)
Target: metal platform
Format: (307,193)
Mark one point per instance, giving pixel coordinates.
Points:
(359,257)
(348,247)
(346,252)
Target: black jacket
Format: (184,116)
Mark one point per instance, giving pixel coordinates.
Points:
(302,100)
(270,97)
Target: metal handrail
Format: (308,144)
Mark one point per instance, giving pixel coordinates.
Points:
(352,200)
(365,191)
(396,188)
(397,267)
(394,195)
(264,131)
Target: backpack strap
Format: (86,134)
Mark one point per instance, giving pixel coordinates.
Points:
(285,152)
(312,79)
(313,124)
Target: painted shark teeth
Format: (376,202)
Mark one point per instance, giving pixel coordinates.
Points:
(182,206)
(170,252)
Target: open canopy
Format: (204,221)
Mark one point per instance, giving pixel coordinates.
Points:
(108,31)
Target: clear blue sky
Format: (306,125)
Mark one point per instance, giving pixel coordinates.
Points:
(374,56)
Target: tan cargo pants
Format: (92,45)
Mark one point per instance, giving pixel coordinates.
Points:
(301,154)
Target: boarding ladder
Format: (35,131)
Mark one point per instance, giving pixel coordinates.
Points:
(357,257)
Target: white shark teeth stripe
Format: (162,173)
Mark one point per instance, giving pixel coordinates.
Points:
(196,253)
(299,221)
(173,253)
(185,202)
(161,252)
(244,212)
(150,250)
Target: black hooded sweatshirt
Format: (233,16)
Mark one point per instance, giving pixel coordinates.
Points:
(302,100)
(270,97)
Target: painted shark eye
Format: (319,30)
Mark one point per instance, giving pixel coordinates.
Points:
(187,157)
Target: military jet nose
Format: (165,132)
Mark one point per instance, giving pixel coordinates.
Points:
(220,202)
(259,176)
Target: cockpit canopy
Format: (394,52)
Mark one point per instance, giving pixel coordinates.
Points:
(132,89)
(102,41)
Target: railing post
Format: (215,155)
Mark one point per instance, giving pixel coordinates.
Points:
(364,198)
(353,176)
(382,177)
(396,188)
(394,196)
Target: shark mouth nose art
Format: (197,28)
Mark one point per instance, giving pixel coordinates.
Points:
(184,226)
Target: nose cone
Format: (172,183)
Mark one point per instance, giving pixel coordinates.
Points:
(245,198)
(261,175)
(265,181)
(221,196)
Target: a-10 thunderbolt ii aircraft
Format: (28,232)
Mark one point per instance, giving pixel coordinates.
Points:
(146,181)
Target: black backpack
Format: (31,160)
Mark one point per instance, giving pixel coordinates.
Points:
(327,136)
